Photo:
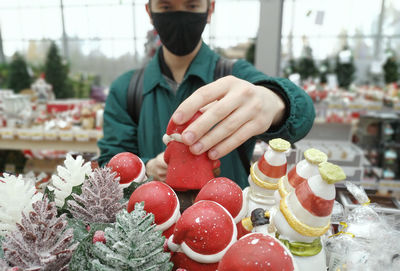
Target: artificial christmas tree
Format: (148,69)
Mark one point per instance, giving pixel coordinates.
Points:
(100,200)
(132,244)
(57,73)
(345,68)
(324,69)
(18,78)
(41,241)
(306,66)
(391,69)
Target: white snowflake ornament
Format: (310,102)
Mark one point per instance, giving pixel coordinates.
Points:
(16,196)
(73,174)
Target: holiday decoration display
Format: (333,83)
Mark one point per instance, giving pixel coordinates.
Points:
(202,235)
(186,171)
(100,200)
(72,175)
(42,89)
(129,168)
(303,216)
(16,198)
(366,240)
(301,172)
(227,193)
(160,200)
(257,252)
(132,244)
(265,174)
(41,241)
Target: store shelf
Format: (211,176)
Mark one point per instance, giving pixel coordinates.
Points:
(61,145)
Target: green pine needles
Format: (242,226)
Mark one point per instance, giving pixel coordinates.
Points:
(132,244)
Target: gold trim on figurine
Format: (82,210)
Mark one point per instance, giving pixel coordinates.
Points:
(299,226)
(282,190)
(261,183)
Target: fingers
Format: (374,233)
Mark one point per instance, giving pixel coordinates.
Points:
(235,140)
(161,162)
(223,130)
(216,113)
(201,98)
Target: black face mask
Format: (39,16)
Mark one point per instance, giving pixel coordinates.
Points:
(180,31)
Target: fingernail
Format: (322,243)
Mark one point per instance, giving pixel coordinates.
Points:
(188,137)
(197,147)
(177,117)
(213,154)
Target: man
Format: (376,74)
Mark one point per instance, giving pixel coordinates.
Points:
(178,81)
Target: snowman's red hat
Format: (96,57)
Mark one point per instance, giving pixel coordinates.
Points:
(204,232)
(129,168)
(160,200)
(257,252)
(227,193)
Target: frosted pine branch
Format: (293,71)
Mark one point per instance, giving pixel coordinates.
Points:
(132,244)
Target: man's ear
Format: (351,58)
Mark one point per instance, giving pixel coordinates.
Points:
(210,11)
(149,12)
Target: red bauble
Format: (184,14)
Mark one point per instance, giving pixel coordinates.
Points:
(160,200)
(99,237)
(257,252)
(128,166)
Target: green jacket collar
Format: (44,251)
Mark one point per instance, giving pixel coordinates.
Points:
(199,67)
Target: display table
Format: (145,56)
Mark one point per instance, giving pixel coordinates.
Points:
(74,145)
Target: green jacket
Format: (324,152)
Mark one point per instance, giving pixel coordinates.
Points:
(121,134)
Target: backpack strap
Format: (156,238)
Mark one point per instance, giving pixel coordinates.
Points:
(135,95)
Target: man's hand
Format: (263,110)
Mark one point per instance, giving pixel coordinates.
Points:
(157,168)
(233,111)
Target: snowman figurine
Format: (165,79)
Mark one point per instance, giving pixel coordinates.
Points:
(303,170)
(303,216)
(265,174)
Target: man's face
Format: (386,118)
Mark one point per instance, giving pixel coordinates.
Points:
(199,6)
